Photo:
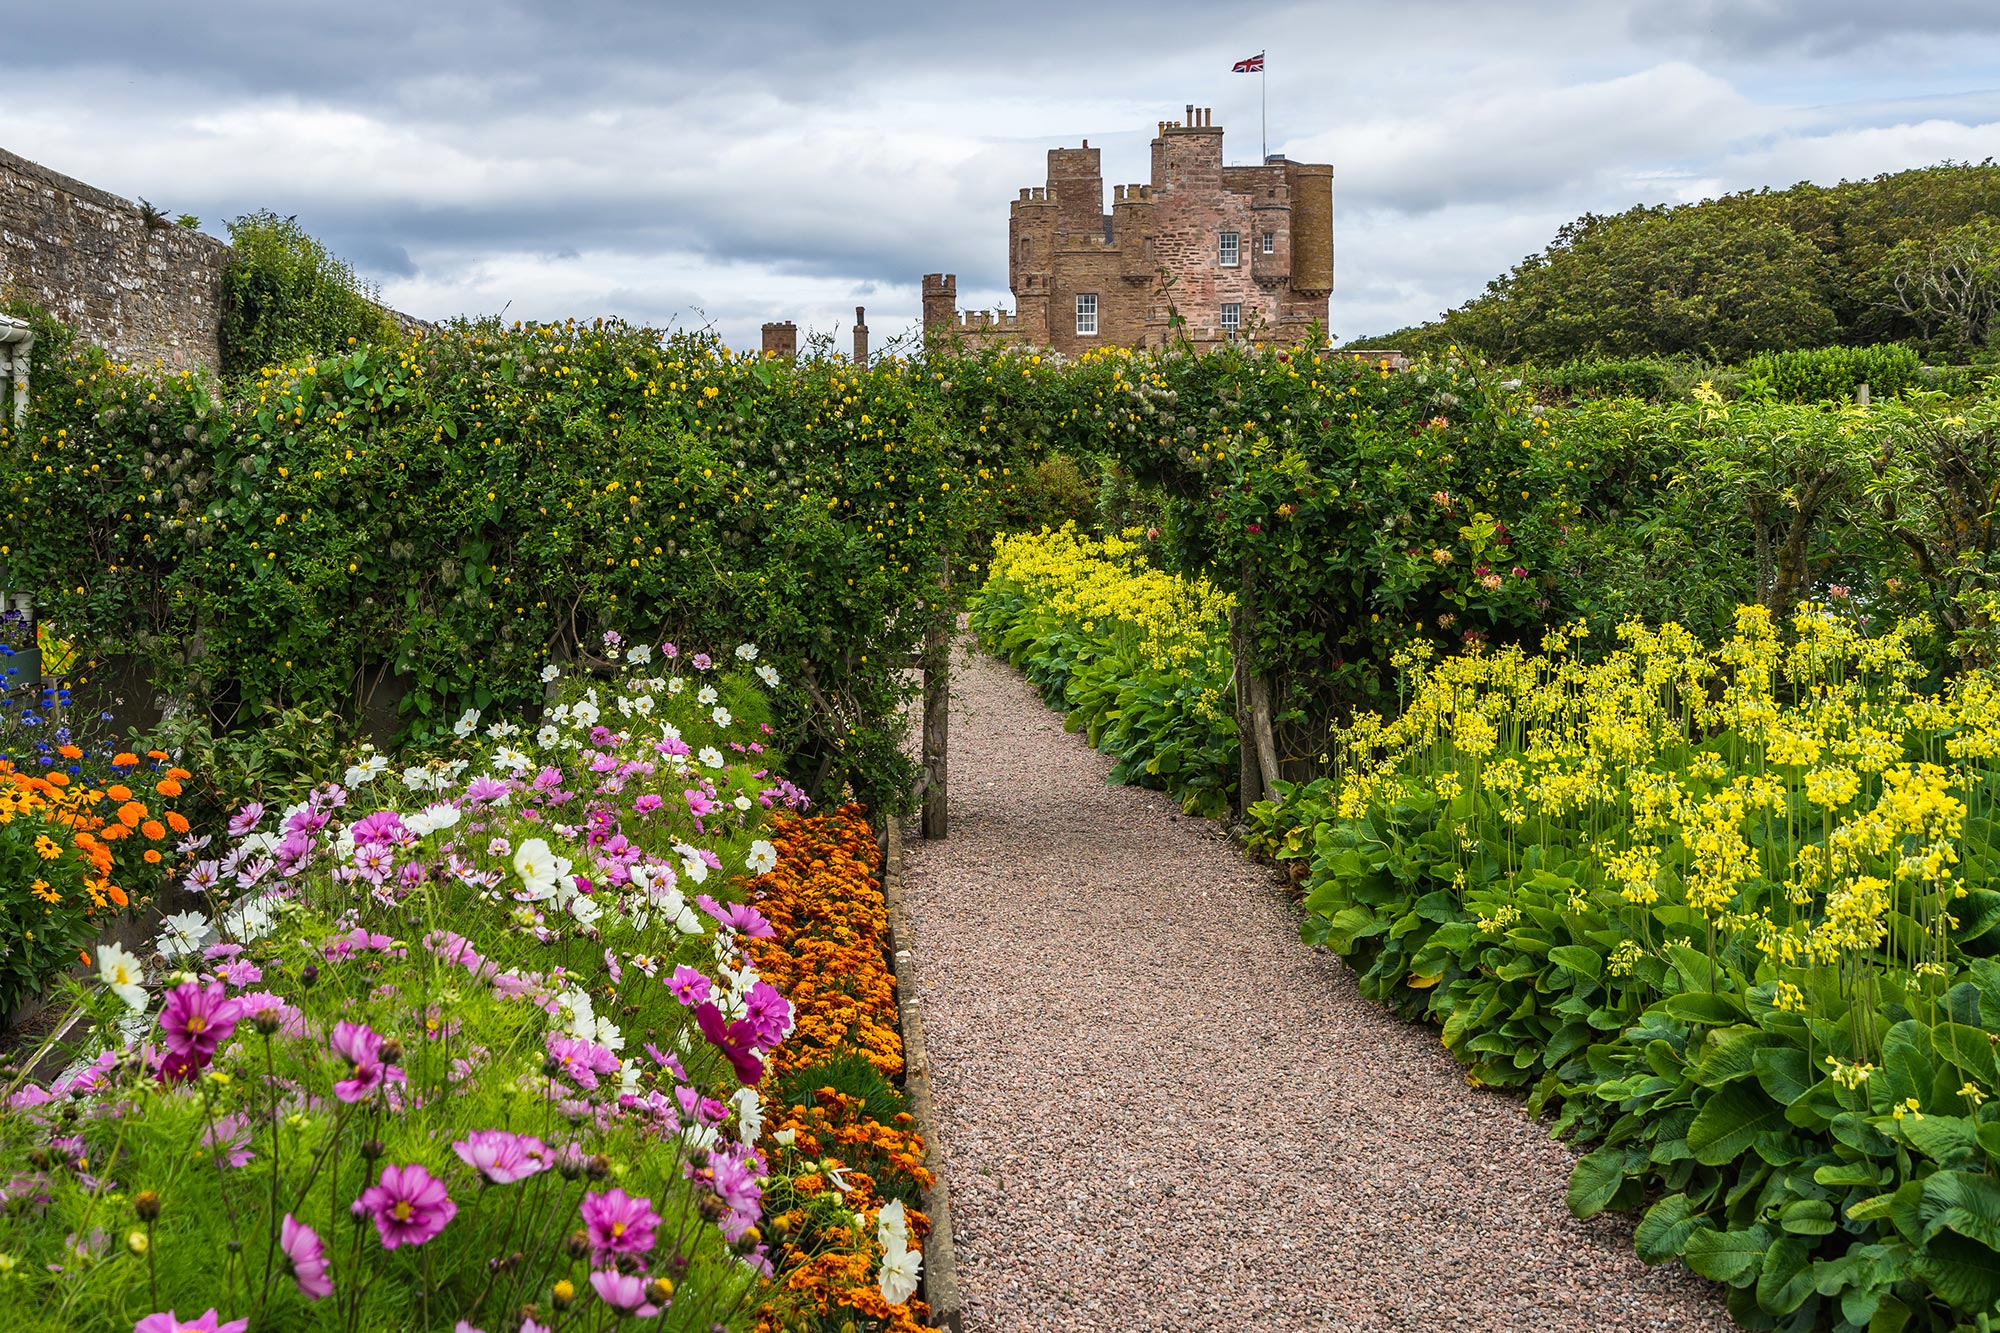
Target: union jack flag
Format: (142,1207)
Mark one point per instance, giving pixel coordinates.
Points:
(1254,65)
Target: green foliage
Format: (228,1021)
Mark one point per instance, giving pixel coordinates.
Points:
(285,296)
(1832,374)
(1857,263)
(852,1074)
(431,520)
(278,762)
(1647,377)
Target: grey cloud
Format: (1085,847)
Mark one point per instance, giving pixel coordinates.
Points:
(1752,29)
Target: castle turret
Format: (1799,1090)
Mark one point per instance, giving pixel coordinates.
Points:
(782,340)
(940,300)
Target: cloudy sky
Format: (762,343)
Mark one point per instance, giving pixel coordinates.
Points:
(680,164)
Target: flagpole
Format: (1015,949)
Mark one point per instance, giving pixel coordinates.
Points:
(1264,103)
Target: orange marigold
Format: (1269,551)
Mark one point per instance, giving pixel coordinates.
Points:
(177,821)
(167,787)
(130,813)
(153,830)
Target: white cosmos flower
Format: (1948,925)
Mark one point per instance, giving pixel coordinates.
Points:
(899,1274)
(711,756)
(510,759)
(785,1138)
(467,724)
(676,685)
(500,731)
(121,975)
(768,674)
(184,934)
(746,652)
(892,1228)
(431,819)
(542,872)
(722,717)
(642,704)
(669,732)
(584,713)
(749,1115)
(547,737)
(252,920)
(585,909)
(763,858)
(559,714)
(742,802)
(691,862)
(550,672)
(706,695)
(365,772)
(639,654)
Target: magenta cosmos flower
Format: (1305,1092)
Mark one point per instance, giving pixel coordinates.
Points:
(361,1047)
(624,1293)
(502,1158)
(619,1223)
(169,1322)
(307,1255)
(409,1205)
(197,1019)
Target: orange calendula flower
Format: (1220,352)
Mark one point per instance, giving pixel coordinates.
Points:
(177,821)
(167,787)
(118,791)
(124,760)
(58,779)
(69,752)
(160,755)
(117,895)
(152,857)
(153,830)
(179,774)
(130,813)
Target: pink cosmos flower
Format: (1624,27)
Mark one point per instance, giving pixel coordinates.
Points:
(646,804)
(307,1255)
(737,916)
(701,662)
(619,1223)
(689,986)
(169,1322)
(196,1019)
(361,1047)
(246,819)
(409,1205)
(734,1040)
(624,1293)
(502,1158)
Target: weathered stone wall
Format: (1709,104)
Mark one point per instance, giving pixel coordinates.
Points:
(144,293)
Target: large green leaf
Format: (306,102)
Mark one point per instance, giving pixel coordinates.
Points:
(1580,959)
(1713,1009)
(1960,1271)
(1785,1278)
(1783,1072)
(1665,1228)
(1726,1256)
(1948,1140)
(1596,1180)
(1732,1121)
(1967,1047)
(1962,1202)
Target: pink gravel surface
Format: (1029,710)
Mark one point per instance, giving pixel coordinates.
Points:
(1159,1110)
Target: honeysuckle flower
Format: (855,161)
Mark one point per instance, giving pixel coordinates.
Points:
(409,1206)
(898,1279)
(305,1253)
(169,1322)
(502,1158)
(121,974)
(763,858)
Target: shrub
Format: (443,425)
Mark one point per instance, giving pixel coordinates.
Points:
(285,296)
(1832,374)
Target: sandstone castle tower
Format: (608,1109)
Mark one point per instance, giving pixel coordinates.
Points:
(1231,252)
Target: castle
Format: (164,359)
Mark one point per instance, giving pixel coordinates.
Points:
(1231,252)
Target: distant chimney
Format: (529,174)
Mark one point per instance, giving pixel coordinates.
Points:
(782,340)
(860,338)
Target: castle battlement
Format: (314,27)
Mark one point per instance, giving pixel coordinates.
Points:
(1247,251)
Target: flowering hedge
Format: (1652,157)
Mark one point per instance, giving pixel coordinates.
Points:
(847,1159)
(1137,659)
(1731,914)
(475,1044)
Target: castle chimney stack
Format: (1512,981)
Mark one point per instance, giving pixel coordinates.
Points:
(860,338)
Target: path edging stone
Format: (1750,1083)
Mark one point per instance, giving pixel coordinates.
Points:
(940,1275)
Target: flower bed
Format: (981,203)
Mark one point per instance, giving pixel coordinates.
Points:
(472,1045)
(836,1124)
(1731,915)
(1137,659)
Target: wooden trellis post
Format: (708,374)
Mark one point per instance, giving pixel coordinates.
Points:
(937,712)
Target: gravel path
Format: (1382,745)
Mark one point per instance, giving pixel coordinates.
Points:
(1160,1110)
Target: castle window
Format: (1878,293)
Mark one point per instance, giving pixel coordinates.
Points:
(1086,315)
(1229,249)
(1270,242)
(1232,316)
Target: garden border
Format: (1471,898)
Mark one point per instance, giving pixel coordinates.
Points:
(940,1259)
